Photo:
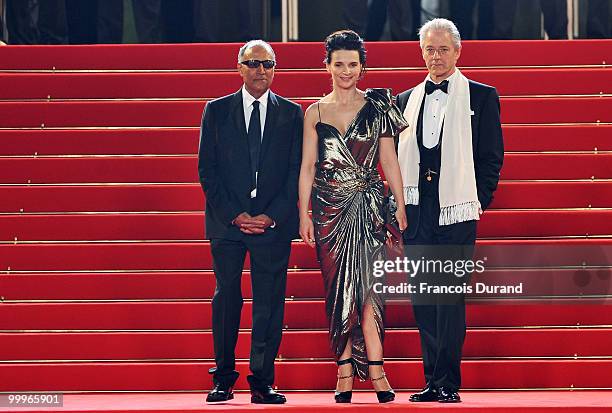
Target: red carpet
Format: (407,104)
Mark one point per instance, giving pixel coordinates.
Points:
(185,255)
(297,55)
(106,281)
(304,284)
(186,345)
(142,169)
(188,197)
(502,402)
(297,375)
(169,141)
(294,84)
(299,314)
(188,113)
(190,226)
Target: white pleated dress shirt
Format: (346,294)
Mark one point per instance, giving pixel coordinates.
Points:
(434,112)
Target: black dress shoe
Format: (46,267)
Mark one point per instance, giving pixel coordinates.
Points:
(266,395)
(446,395)
(428,394)
(220,394)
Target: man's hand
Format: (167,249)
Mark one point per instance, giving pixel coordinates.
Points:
(253,225)
(263,221)
(246,224)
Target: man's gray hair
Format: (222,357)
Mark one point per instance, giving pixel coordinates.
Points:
(254,43)
(440,25)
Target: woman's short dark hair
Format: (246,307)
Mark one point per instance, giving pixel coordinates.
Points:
(345,40)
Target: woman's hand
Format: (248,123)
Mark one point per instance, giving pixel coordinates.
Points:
(400,215)
(307,231)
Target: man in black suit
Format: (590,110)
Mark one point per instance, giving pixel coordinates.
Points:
(450,158)
(249,161)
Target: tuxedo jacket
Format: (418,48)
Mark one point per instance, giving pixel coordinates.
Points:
(487,145)
(224,167)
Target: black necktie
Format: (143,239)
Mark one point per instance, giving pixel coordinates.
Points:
(430,87)
(254,138)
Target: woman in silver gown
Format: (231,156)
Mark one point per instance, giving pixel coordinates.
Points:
(346,133)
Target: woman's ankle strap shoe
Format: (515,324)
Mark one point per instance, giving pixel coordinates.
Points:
(345,361)
(383,396)
(345,396)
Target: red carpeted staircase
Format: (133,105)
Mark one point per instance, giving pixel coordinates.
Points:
(106,281)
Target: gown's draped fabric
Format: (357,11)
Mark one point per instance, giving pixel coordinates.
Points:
(348,215)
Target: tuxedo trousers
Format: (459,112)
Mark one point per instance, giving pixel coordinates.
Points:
(440,318)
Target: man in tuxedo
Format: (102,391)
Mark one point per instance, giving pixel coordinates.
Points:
(249,161)
(450,159)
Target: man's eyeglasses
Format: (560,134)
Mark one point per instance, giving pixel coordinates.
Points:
(443,51)
(254,64)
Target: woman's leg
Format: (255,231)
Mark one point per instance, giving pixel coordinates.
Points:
(346,370)
(374,348)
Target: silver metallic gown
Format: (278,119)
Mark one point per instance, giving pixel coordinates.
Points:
(348,216)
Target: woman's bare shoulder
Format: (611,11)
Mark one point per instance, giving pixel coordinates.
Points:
(312,113)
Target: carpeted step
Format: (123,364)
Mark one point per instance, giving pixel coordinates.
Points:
(100,142)
(476,374)
(307,314)
(546,166)
(570,194)
(188,113)
(185,141)
(145,256)
(141,169)
(165,197)
(189,197)
(129,285)
(300,284)
(190,226)
(136,113)
(184,169)
(167,226)
(538,223)
(481,343)
(509,82)
(297,55)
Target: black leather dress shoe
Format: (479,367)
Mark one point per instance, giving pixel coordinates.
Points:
(266,395)
(446,395)
(428,394)
(220,394)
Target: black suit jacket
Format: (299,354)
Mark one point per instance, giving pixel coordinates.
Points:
(487,145)
(225,172)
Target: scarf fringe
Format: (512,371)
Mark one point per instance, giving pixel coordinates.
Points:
(453,214)
(411,195)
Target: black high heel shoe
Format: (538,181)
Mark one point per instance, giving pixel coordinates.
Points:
(383,396)
(344,396)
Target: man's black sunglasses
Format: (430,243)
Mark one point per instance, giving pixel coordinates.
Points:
(254,64)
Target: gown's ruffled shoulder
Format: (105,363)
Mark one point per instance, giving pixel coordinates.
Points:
(392,121)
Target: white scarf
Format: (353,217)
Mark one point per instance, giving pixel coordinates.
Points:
(458,195)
